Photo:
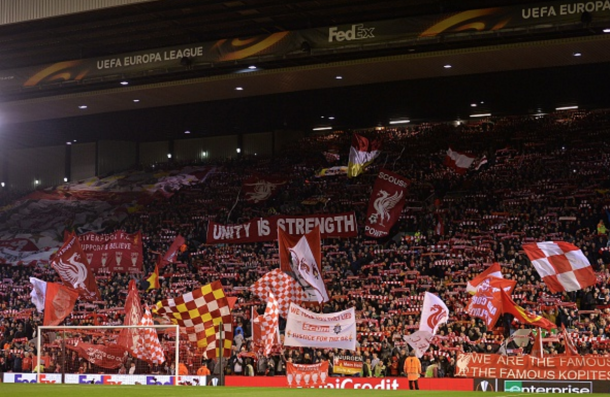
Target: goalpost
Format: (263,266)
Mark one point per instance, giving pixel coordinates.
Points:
(58,342)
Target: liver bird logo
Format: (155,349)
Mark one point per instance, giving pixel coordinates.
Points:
(437,315)
(262,190)
(73,271)
(383,204)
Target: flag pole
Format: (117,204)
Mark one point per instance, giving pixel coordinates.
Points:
(221,354)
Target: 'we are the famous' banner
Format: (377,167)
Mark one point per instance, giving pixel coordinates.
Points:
(341,225)
(589,367)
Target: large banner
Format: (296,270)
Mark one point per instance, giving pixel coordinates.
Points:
(308,329)
(109,357)
(590,367)
(74,270)
(117,252)
(341,225)
(385,205)
(347,365)
(260,189)
(306,375)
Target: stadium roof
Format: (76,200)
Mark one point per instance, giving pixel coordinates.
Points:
(511,74)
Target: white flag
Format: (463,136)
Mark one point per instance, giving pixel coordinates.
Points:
(38,293)
(434,313)
(419,341)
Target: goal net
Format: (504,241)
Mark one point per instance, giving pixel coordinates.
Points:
(127,355)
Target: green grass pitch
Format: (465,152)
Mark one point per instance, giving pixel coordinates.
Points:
(41,390)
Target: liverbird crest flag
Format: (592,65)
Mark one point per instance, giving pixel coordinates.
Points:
(201,312)
(72,266)
(434,313)
(361,154)
(386,203)
(302,257)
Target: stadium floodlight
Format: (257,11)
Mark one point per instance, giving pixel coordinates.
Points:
(403,121)
(322,128)
(480,115)
(566,108)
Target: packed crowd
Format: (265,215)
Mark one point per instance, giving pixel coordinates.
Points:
(545,179)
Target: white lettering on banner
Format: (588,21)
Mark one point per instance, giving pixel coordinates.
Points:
(356,32)
(143,59)
(231,231)
(565,9)
(393,180)
(348,383)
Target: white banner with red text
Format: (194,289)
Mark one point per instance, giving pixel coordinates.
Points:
(308,329)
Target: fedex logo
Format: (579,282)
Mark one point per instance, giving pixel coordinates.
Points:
(357,32)
(44,379)
(25,378)
(98,380)
(154,380)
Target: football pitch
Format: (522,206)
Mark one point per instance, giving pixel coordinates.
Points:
(41,390)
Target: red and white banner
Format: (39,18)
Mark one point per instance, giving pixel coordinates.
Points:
(434,313)
(341,225)
(347,365)
(73,269)
(385,205)
(487,303)
(302,256)
(308,329)
(284,288)
(260,189)
(111,356)
(129,337)
(306,375)
(117,252)
(589,367)
(562,266)
(460,162)
(265,331)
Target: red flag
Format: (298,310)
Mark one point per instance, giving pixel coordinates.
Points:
(117,252)
(487,303)
(493,271)
(302,256)
(128,337)
(459,162)
(537,348)
(259,189)
(170,255)
(72,266)
(385,204)
(562,266)
(111,356)
(56,300)
(571,349)
(524,317)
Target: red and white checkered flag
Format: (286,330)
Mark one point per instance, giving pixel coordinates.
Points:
(201,313)
(148,347)
(268,324)
(562,266)
(284,288)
